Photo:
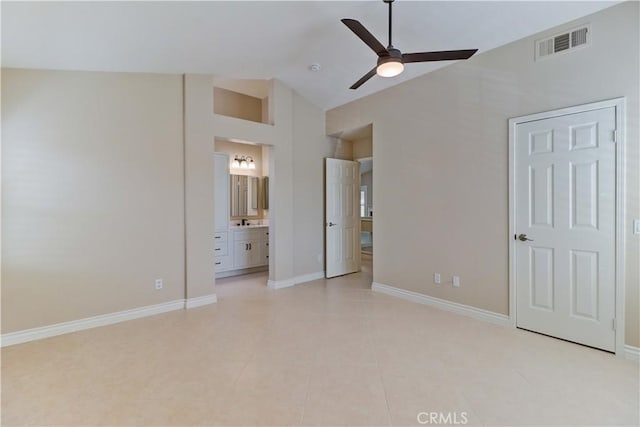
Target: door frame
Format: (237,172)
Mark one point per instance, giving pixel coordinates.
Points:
(620,109)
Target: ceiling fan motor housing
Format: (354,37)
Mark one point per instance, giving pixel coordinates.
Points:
(394,56)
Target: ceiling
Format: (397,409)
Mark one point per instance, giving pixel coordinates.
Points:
(264,39)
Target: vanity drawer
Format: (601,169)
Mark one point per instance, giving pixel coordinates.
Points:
(221,236)
(221,248)
(223,263)
(252,234)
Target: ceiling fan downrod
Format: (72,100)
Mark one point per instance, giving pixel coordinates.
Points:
(390,2)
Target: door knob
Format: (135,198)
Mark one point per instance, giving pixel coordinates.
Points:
(524,238)
(332,224)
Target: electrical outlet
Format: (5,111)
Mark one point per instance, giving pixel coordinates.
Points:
(158,283)
(436,278)
(456,281)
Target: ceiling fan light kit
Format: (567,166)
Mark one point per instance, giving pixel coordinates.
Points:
(391,60)
(391,65)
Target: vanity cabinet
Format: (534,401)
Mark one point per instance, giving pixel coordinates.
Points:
(251,247)
(222,255)
(242,248)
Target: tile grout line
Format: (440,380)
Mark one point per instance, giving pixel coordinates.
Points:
(306,398)
(375,355)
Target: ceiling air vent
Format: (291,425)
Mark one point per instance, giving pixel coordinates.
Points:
(563,42)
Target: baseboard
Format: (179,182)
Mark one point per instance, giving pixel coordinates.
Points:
(632,353)
(309,277)
(466,310)
(279,284)
(33,334)
(200,301)
(239,272)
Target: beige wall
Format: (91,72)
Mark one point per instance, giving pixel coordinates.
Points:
(92,194)
(234,148)
(97,204)
(310,148)
(447,180)
(239,105)
(362,147)
(342,149)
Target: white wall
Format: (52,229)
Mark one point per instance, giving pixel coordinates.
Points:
(92,194)
(441,142)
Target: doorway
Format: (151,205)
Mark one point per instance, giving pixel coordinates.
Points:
(566,224)
(355,149)
(242,215)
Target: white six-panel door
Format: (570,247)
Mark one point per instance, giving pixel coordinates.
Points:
(342,217)
(565,205)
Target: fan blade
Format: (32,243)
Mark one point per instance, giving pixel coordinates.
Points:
(443,55)
(364,34)
(364,78)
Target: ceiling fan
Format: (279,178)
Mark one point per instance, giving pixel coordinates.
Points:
(390,60)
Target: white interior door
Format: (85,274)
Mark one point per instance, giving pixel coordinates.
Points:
(565,207)
(342,218)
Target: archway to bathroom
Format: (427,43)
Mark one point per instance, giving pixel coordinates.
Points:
(242,215)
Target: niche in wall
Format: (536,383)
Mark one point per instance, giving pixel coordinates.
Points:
(242,99)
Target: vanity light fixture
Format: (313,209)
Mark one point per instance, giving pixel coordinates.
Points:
(243,162)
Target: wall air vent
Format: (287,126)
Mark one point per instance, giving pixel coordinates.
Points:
(561,43)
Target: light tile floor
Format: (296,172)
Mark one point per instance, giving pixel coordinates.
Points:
(325,353)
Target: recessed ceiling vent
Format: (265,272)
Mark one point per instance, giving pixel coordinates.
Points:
(560,43)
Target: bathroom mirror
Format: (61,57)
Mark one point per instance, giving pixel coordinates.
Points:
(366,187)
(265,192)
(244,196)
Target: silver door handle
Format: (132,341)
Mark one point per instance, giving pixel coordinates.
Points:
(524,238)
(332,224)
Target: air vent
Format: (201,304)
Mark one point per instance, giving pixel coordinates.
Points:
(563,42)
(579,37)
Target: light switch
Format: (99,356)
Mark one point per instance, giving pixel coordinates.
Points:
(636,226)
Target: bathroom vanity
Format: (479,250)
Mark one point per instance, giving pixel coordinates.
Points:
(240,248)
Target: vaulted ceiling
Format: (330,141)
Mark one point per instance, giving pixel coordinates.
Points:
(264,39)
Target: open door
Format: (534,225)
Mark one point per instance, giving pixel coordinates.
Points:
(342,218)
